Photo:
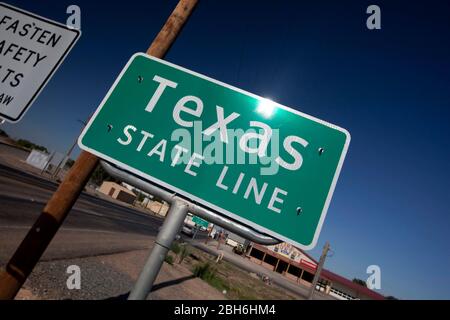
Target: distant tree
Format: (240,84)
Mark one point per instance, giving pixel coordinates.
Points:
(360,282)
(30,145)
(3,133)
(140,197)
(69,163)
(101,175)
(391,298)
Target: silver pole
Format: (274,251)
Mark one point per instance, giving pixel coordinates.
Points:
(172,224)
(195,232)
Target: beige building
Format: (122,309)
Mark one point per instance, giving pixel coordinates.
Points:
(158,207)
(117,191)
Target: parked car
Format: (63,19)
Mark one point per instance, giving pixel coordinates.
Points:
(187,229)
(239,249)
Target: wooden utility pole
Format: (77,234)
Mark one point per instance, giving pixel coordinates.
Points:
(326,247)
(42,232)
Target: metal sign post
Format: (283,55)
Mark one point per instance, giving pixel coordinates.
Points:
(195,232)
(174,220)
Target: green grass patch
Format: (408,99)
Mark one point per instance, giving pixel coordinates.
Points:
(169,259)
(176,247)
(208,273)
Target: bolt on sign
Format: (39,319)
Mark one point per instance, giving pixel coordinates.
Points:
(31,49)
(265,165)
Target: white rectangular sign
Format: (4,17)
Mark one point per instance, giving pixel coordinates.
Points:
(31,49)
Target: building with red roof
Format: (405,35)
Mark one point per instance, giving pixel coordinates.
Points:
(299,267)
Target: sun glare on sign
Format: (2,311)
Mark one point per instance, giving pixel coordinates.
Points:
(266,107)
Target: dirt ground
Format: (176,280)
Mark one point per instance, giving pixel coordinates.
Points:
(174,282)
(111,277)
(239,284)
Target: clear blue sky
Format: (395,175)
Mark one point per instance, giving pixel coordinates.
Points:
(390,88)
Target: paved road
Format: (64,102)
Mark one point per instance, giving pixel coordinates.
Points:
(93,227)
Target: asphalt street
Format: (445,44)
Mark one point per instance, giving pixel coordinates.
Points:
(93,227)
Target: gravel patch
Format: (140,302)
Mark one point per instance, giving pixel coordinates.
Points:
(112,277)
(98,280)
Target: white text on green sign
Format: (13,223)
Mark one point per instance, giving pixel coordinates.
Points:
(263,164)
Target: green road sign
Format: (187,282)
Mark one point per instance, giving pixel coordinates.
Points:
(200,221)
(263,164)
